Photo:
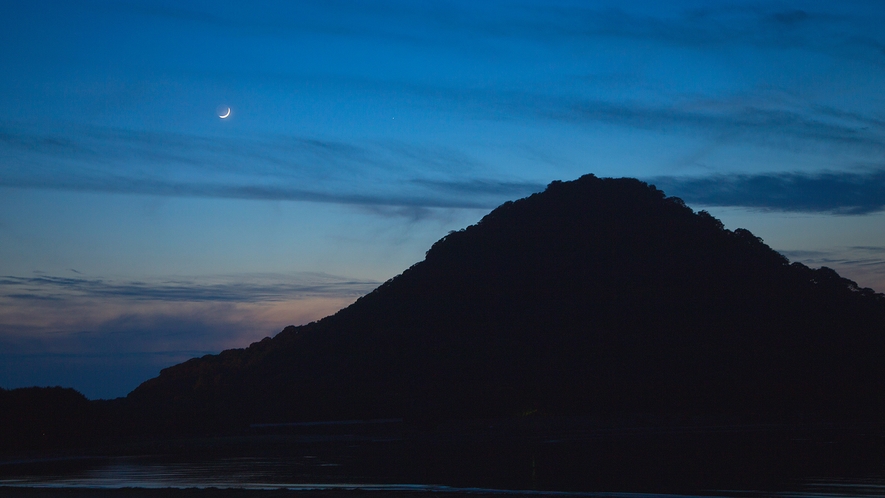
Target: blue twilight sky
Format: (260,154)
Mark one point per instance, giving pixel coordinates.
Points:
(138,229)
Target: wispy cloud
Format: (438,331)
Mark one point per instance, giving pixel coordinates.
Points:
(748,24)
(848,256)
(385,173)
(481,190)
(417,177)
(766,118)
(872,249)
(76,331)
(98,326)
(236,289)
(866,264)
(554,22)
(395,178)
(735,122)
(848,193)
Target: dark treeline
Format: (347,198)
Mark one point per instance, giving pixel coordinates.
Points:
(43,417)
(597,297)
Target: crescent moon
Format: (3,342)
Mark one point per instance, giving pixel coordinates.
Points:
(222,116)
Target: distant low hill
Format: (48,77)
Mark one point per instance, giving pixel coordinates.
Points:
(37,418)
(597,297)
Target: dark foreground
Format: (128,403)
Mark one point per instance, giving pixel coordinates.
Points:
(219,493)
(533,456)
(233,493)
(173,493)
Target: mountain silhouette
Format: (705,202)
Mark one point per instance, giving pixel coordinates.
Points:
(598,297)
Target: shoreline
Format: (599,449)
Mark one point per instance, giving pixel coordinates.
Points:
(286,492)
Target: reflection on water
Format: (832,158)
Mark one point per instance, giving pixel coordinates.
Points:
(300,473)
(843,487)
(156,472)
(549,456)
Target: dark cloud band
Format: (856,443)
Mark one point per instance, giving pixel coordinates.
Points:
(847,193)
(49,288)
